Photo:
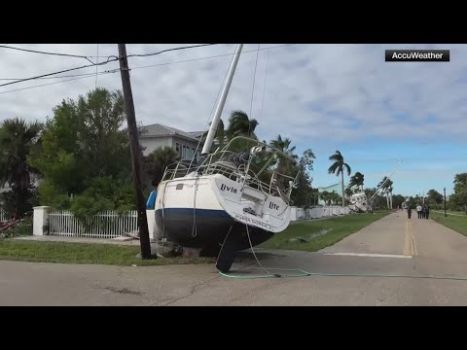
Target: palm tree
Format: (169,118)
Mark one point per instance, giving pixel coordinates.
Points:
(283,145)
(338,168)
(386,187)
(17,139)
(241,125)
(390,195)
(357,180)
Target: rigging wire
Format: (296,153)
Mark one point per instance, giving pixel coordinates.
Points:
(264,84)
(253,87)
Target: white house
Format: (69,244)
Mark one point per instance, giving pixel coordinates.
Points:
(156,136)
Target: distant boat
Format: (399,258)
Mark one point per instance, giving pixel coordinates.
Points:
(226,203)
(359,203)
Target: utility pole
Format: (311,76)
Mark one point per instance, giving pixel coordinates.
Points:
(135,154)
(444,190)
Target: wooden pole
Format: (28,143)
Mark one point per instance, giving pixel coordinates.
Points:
(136,155)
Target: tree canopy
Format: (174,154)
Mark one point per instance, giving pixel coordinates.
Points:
(83,145)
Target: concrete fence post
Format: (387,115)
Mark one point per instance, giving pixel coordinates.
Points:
(293,213)
(151,216)
(41,221)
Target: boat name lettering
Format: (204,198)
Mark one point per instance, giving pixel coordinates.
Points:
(273,206)
(256,222)
(228,188)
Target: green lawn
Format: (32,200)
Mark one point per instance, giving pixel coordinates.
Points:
(82,253)
(309,235)
(450,212)
(457,223)
(313,235)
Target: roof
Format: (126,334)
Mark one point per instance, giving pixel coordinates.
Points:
(196,134)
(158,130)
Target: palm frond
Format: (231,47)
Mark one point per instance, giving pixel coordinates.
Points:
(348,168)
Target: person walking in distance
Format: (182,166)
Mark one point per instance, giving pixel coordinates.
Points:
(419,211)
(427,212)
(409,212)
(424,211)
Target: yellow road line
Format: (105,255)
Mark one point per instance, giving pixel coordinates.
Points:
(406,250)
(414,246)
(410,247)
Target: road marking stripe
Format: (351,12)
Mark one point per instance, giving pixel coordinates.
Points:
(413,247)
(372,255)
(406,250)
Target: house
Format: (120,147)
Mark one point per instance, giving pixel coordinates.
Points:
(154,136)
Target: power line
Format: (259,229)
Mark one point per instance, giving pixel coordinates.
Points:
(206,57)
(115,58)
(50,53)
(109,59)
(97,67)
(62,71)
(67,76)
(47,76)
(167,50)
(46,52)
(84,76)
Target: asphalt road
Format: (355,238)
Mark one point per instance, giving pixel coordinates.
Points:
(361,269)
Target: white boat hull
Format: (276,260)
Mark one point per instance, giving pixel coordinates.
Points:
(199,211)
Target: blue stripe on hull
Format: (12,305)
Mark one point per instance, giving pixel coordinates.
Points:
(198,212)
(211,227)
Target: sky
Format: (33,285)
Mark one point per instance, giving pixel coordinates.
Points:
(405,119)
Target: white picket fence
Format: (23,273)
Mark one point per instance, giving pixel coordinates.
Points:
(108,224)
(3,216)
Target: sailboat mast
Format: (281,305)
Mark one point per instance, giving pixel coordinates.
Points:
(220,105)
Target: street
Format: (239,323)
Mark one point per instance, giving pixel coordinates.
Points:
(403,262)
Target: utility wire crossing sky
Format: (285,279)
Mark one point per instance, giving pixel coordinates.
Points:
(381,115)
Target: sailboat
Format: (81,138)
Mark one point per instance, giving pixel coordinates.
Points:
(359,202)
(233,200)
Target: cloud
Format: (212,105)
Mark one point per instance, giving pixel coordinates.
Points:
(321,96)
(312,91)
